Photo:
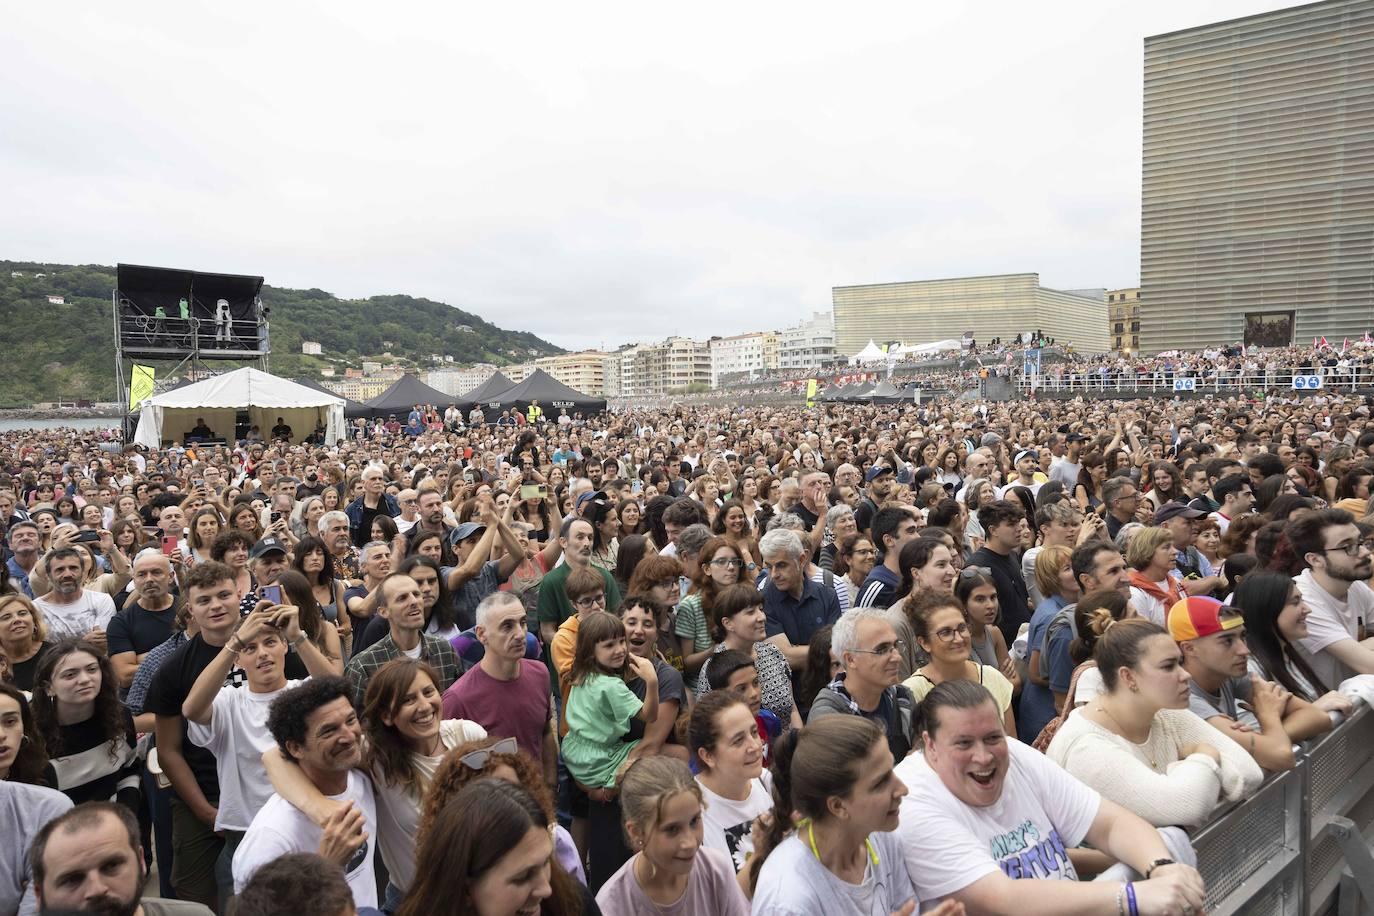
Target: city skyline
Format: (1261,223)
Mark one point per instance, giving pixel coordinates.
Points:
(593,179)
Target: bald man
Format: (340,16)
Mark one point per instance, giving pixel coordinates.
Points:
(147,618)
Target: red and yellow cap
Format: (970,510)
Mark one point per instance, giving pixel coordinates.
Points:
(1197,616)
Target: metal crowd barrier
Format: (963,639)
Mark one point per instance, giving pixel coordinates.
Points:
(1300,846)
(1334,378)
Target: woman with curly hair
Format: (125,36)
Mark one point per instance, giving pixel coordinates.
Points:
(87,732)
(496,758)
(22,757)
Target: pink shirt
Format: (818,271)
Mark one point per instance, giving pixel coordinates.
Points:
(518,709)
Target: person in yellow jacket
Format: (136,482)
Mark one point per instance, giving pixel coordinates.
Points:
(534,413)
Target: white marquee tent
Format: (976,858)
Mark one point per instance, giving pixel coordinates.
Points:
(169,416)
(869,354)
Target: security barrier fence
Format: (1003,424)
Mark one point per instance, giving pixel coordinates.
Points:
(1128,382)
(1301,844)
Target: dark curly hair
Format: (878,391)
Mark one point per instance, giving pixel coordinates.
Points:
(286,718)
(109,714)
(31,762)
(227,539)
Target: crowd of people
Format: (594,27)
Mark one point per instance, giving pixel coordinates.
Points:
(988,657)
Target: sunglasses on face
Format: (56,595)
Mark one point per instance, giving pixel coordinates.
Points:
(968,572)
(477,760)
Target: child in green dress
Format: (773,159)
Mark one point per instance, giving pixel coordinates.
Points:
(601,705)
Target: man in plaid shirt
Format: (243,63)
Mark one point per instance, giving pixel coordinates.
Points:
(403,608)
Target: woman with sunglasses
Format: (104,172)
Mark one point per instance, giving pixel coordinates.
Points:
(405,739)
(941,628)
(496,758)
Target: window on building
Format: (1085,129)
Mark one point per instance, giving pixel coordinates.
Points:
(1119,328)
(1135,342)
(1118,341)
(1135,326)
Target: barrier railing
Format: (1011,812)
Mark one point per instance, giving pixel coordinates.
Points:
(1085,381)
(1299,845)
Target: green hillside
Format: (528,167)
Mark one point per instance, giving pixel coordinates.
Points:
(53,351)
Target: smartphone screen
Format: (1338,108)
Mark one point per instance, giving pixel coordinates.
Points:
(270,593)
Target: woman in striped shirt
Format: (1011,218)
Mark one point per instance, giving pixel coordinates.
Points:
(89,734)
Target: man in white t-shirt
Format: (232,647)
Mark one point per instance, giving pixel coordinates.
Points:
(315,725)
(994,824)
(1333,586)
(231,722)
(69,609)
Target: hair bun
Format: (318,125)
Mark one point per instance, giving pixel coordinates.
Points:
(1100,620)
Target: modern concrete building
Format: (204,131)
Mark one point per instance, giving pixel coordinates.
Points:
(809,344)
(584,371)
(1004,305)
(1257,210)
(1123,320)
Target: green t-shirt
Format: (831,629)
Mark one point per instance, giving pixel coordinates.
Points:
(691,623)
(554,606)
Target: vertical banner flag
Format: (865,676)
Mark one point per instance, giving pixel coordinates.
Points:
(140,385)
(810,392)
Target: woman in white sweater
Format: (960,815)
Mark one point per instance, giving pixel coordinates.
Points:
(1138,744)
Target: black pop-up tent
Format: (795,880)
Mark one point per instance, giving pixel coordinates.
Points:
(408,391)
(551,394)
(489,391)
(352,409)
(885,393)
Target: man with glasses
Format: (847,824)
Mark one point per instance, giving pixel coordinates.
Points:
(1334,586)
(865,643)
(1123,500)
(409,501)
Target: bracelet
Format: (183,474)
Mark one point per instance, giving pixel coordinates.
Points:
(230,644)
(1121,901)
(1130,898)
(294,645)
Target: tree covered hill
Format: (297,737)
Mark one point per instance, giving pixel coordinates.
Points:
(67,350)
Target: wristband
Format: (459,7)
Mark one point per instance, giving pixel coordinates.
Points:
(230,644)
(1121,901)
(299,639)
(1130,899)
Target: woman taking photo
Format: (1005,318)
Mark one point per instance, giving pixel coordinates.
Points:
(737,623)
(1275,620)
(829,846)
(719,566)
(489,852)
(296,591)
(1138,744)
(941,629)
(23,638)
(88,734)
(670,871)
(976,592)
(728,753)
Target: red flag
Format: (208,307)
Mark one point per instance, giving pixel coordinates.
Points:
(1324,343)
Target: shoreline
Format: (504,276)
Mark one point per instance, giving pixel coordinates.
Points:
(75,413)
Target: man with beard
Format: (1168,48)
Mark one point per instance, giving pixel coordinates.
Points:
(430,519)
(1334,587)
(146,620)
(90,860)
(402,605)
(316,727)
(338,540)
(69,609)
(881,482)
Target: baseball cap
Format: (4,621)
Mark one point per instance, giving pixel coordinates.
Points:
(269,544)
(990,439)
(1174,509)
(878,470)
(465,531)
(1197,616)
(1075,437)
(1026,453)
(588,497)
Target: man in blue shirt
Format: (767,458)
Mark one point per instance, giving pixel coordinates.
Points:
(24,539)
(795,607)
(892,528)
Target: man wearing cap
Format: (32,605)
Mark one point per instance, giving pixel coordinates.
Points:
(1066,468)
(1026,462)
(1181,522)
(880,479)
(266,560)
(475,576)
(1259,715)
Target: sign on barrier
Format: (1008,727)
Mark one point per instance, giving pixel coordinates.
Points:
(1307,382)
(1185,384)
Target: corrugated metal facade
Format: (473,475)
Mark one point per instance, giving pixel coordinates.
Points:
(997,306)
(1258,177)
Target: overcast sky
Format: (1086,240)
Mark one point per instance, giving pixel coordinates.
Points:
(597,172)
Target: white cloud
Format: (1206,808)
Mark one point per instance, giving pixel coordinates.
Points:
(594,173)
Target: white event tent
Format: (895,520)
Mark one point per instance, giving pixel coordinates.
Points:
(169,416)
(869,354)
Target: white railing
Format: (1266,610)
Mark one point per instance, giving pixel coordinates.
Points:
(1154,382)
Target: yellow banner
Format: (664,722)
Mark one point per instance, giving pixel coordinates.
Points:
(140,386)
(810,392)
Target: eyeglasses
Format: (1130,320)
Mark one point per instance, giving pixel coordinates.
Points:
(949,634)
(968,572)
(883,648)
(590,601)
(725,562)
(865,552)
(477,760)
(1350,550)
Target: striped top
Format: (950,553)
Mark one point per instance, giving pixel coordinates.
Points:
(91,768)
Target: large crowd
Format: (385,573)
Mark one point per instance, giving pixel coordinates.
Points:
(998,658)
